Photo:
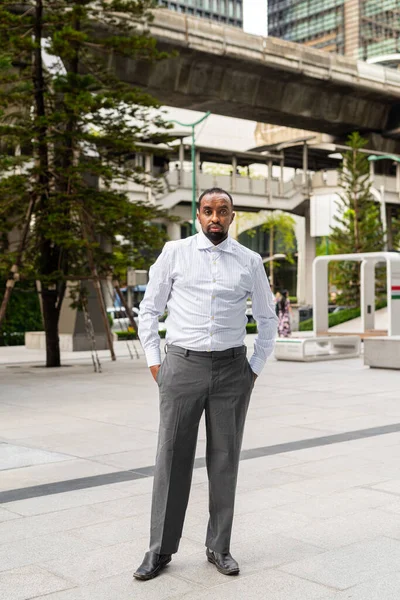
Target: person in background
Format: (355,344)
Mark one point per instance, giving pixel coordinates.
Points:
(278,298)
(284,310)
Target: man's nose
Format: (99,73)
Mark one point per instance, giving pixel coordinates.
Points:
(215,218)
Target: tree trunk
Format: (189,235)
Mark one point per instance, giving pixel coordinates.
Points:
(48,255)
(50,318)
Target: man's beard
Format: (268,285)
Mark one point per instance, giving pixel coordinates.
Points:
(216,236)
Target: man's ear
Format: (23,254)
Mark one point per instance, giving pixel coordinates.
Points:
(233,216)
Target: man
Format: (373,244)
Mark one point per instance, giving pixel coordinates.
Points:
(205,281)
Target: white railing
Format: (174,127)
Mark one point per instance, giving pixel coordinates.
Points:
(173,181)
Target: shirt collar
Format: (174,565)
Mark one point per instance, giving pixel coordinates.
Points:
(203,243)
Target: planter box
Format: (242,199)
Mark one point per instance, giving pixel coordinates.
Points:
(36,340)
(382,352)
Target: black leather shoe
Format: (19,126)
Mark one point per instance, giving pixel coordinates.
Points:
(224,562)
(152,565)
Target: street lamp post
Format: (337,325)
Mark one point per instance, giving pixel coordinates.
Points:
(192,126)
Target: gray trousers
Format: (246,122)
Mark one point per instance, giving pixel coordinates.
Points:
(219,383)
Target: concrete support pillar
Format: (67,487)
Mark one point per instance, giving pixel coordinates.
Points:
(281,188)
(72,322)
(234,168)
(368,295)
(108,292)
(301,266)
(305,165)
(174,231)
(129,297)
(398,178)
(269,182)
(320,296)
(309,256)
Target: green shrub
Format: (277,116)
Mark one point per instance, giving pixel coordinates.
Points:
(306,325)
(130,335)
(12,339)
(23,313)
(126,335)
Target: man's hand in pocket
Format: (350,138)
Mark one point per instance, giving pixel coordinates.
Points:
(154,371)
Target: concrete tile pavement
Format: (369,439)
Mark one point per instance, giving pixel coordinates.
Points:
(317,523)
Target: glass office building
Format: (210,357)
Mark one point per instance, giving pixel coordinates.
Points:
(379,28)
(229,12)
(357,28)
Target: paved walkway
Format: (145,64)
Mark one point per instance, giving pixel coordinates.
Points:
(318,505)
(355,325)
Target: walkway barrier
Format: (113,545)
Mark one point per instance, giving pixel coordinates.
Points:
(317,348)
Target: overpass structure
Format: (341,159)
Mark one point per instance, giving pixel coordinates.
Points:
(300,178)
(229,72)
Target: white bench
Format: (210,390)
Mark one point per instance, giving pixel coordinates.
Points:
(317,348)
(382,352)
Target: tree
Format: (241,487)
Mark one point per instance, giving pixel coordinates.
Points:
(280,227)
(359,227)
(69,130)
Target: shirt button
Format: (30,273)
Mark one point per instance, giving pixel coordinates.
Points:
(211,334)
(214,280)
(212,318)
(212,297)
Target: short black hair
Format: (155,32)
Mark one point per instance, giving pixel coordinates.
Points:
(214,190)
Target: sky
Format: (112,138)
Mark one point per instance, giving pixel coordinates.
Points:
(255,16)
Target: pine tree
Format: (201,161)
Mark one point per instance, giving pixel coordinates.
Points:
(69,129)
(359,227)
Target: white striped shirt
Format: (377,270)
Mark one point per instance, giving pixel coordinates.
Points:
(205,289)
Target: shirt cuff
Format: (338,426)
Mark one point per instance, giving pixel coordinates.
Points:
(153,357)
(256,364)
